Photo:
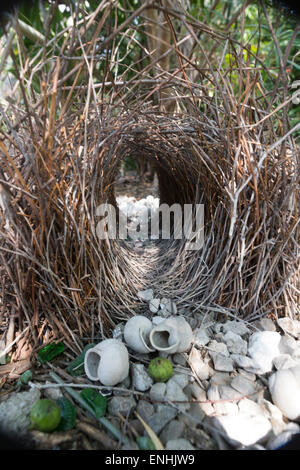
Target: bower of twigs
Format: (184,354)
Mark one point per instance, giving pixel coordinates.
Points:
(60,151)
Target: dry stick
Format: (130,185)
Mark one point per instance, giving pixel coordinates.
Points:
(9,346)
(102,46)
(98,435)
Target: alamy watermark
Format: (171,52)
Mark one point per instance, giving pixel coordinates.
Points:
(185,222)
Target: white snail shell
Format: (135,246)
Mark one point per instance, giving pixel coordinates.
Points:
(136,334)
(172,335)
(107,362)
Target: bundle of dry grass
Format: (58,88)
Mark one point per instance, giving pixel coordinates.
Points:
(60,152)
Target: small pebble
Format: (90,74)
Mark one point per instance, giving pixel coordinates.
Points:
(179,444)
(123,405)
(243,385)
(201,337)
(158,391)
(173,430)
(163,415)
(140,378)
(145,409)
(154,305)
(146,295)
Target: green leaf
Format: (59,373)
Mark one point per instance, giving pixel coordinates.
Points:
(145,443)
(76,367)
(67,414)
(50,351)
(95,400)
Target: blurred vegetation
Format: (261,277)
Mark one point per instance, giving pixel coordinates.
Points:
(52,18)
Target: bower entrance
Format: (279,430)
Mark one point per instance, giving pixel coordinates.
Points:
(212,131)
(176,181)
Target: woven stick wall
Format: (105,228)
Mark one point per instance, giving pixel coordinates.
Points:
(60,152)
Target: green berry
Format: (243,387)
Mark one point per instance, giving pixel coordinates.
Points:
(45,415)
(160,369)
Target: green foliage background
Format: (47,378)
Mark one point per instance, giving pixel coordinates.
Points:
(220,15)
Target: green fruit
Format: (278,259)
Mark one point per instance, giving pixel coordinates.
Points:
(45,415)
(160,369)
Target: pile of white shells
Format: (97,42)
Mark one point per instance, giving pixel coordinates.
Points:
(235,385)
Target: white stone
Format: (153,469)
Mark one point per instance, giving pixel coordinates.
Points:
(243,385)
(164,302)
(164,414)
(288,345)
(220,407)
(180,359)
(154,305)
(237,327)
(290,326)
(173,430)
(216,347)
(296,353)
(198,366)
(167,307)
(220,378)
(174,393)
(146,295)
(271,409)
(201,337)
(123,405)
(193,416)
(15,411)
(200,395)
(251,408)
(284,386)
(284,361)
(228,393)
(274,414)
(245,362)
(263,347)
(140,378)
(247,374)
(181,379)
(243,428)
(222,363)
(179,444)
(158,391)
(235,344)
